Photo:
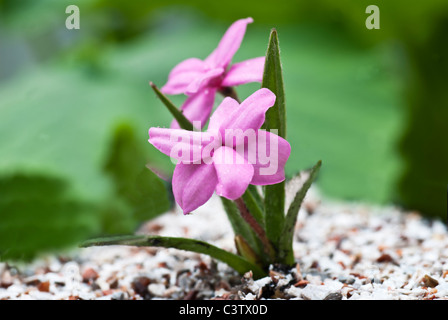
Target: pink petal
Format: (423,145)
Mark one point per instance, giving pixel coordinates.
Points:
(197,108)
(183,75)
(183,145)
(193,185)
(270,158)
(204,80)
(233,171)
(227,106)
(229,44)
(244,72)
(250,115)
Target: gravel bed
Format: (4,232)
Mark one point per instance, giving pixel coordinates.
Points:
(345,251)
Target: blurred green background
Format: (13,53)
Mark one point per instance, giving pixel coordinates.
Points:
(75,105)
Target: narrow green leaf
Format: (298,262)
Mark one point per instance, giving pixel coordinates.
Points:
(286,252)
(183,122)
(273,80)
(274,211)
(275,120)
(238,263)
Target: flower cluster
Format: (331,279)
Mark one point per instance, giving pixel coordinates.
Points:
(233,152)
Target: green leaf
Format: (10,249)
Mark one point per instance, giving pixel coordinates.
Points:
(275,120)
(151,198)
(141,189)
(39,214)
(183,122)
(238,263)
(273,80)
(285,250)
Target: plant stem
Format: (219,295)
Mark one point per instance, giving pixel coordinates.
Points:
(229,92)
(245,214)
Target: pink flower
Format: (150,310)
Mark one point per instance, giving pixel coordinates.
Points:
(232,154)
(201,79)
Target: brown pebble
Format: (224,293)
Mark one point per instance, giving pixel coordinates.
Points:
(5,284)
(153,228)
(384,258)
(357,275)
(114,284)
(89,275)
(44,286)
(202,266)
(301,283)
(429,281)
(140,286)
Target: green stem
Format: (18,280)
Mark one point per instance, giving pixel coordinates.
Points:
(254,207)
(229,92)
(245,214)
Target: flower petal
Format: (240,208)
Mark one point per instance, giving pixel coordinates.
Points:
(197,108)
(203,80)
(193,185)
(250,115)
(229,44)
(183,145)
(227,106)
(244,72)
(183,75)
(233,171)
(269,157)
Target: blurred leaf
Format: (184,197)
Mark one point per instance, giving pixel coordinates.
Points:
(424,144)
(152,197)
(143,190)
(117,217)
(37,215)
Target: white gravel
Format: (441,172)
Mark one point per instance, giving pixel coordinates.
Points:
(344,251)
